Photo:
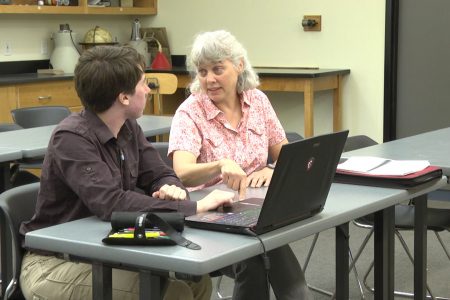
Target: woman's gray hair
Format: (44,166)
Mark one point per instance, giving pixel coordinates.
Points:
(220,45)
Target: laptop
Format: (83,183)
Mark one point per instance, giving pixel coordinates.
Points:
(298,190)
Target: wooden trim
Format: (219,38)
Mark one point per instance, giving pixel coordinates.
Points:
(296,84)
(337,106)
(8,98)
(309,108)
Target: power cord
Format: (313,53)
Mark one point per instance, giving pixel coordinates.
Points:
(265,258)
(73,42)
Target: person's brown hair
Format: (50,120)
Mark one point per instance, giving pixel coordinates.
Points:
(103,72)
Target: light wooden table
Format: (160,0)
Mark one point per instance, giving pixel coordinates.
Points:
(307,81)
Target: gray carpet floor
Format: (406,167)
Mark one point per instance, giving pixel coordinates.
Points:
(320,271)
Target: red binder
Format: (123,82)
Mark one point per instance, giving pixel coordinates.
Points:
(403,181)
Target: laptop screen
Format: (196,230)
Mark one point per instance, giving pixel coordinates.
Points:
(301,180)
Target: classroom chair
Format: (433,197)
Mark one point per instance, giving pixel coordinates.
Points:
(17,175)
(163,148)
(161,84)
(16,205)
(438,220)
(9,127)
(29,117)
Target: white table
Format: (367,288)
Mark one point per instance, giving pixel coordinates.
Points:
(33,142)
(81,239)
(433,146)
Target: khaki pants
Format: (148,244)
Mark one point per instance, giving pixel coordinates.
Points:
(48,278)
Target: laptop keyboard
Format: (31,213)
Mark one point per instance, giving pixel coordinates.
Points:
(242,218)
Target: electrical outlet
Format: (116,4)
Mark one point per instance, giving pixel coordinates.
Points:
(44,47)
(312,23)
(7,50)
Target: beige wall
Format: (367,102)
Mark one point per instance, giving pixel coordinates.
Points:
(352,37)
(26,32)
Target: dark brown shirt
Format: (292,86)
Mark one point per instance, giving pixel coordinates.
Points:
(87,171)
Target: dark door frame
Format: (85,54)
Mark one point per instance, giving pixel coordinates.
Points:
(390,70)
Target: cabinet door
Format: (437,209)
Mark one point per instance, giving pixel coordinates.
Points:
(7,103)
(48,93)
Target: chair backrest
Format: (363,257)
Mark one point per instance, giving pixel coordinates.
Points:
(161,84)
(16,205)
(29,117)
(293,136)
(358,142)
(9,127)
(163,148)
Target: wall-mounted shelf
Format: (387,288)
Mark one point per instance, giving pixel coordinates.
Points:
(141,7)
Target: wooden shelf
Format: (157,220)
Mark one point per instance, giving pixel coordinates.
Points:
(35,9)
(121,10)
(141,7)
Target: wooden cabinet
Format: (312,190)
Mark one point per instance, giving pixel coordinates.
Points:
(140,7)
(61,92)
(48,93)
(7,102)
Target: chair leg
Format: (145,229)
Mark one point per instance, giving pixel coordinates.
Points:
(405,247)
(408,252)
(360,286)
(442,244)
(368,287)
(219,293)
(305,266)
(311,249)
(12,286)
(352,267)
(362,247)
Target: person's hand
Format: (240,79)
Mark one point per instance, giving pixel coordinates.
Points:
(233,176)
(258,178)
(170,192)
(215,199)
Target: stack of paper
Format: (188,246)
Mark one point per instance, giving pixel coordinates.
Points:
(381,166)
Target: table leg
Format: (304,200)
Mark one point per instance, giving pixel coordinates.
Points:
(150,285)
(342,261)
(5,177)
(101,281)
(420,247)
(337,115)
(157,104)
(309,108)
(384,253)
